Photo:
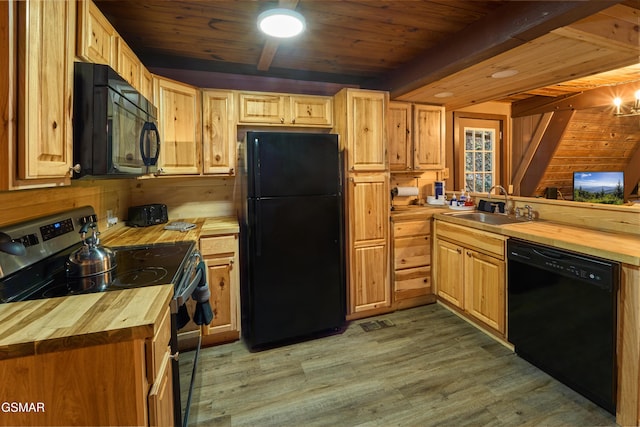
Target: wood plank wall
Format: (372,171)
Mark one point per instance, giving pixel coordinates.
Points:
(17,206)
(595,140)
(187,197)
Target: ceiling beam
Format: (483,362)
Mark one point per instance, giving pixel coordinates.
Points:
(510,26)
(598,97)
(271,45)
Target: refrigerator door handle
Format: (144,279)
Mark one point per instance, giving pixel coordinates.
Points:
(256,159)
(258,228)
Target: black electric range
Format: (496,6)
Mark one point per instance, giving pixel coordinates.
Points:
(136,266)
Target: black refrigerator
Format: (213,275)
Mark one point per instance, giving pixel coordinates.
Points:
(292,248)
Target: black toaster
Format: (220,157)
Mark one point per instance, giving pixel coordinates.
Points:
(146,215)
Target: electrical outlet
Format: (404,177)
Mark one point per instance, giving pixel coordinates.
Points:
(111,219)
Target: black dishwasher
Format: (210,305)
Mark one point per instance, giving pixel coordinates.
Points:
(562,316)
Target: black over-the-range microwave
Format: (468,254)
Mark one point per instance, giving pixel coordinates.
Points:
(115,131)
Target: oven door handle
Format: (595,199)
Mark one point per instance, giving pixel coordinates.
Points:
(185,291)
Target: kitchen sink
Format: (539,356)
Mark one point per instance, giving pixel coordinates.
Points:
(490,218)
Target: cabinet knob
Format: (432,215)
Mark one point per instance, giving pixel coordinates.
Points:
(159,172)
(281,119)
(469,254)
(459,251)
(75,168)
(293,121)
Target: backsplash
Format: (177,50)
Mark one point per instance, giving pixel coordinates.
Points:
(103,195)
(187,197)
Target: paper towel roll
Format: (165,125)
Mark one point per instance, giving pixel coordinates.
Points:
(406,191)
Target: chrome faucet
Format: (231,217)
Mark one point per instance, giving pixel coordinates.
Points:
(506,196)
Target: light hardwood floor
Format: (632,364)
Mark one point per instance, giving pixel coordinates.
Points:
(430,369)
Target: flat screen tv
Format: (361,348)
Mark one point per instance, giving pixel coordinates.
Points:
(599,187)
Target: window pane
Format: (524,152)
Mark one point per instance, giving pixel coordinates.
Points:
(468,138)
(478,158)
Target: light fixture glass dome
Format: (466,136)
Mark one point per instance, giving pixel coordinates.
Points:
(281,23)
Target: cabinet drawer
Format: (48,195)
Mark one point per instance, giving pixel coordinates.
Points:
(412,279)
(157,348)
(218,245)
(411,228)
(411,252)
(483,241)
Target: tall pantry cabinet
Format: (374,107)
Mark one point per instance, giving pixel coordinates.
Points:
(359,117)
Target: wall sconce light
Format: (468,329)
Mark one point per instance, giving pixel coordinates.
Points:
(633,110)
(281,23)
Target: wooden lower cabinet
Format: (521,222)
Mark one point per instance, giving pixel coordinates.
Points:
(161,396)
(470,273)
(122,383)
(220,255)
(369,289)
(412,263)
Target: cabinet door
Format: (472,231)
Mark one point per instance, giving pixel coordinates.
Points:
(399,128)
(45,88)
(128,65)
(449,272)
(179,123)
(223,295)
(146,83)
(368,207)
(485,289)
(314,111)
(257,107)
(369,279)
(96,36)
(366,135)
(428,140)
(161,396)
(219,136)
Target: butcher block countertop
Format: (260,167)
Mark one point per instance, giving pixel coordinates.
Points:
(48,325)
(619,247)
(127,236)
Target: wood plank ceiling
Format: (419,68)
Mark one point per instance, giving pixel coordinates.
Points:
(418,50)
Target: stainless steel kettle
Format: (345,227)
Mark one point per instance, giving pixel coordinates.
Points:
(91,266)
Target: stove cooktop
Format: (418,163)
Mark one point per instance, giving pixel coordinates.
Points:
(136,266)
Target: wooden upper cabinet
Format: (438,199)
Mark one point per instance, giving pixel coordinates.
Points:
(96,37)
(400,134)
(219,136)
(146,84)
(285,110)
(128,64)
(428,138)
(311,110)
(359,117)
(46,34)
(416,137)
(180,126)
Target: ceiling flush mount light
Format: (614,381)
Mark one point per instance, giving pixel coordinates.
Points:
(443,95)
(281,23)
(632,110)
(504,74)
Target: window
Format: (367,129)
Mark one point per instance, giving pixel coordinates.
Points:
(479,158)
